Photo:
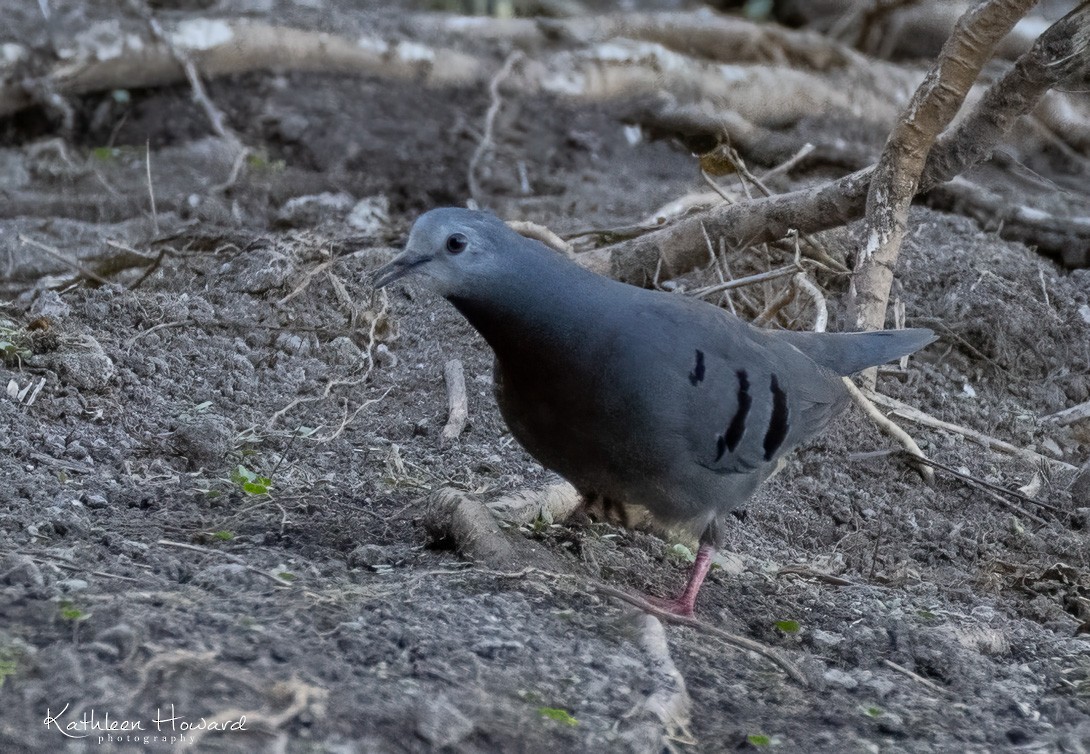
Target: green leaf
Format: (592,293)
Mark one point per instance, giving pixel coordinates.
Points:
(223,536)
(241,475)
(559,715)
(286,575)
(73,613)
(681,552)
(759,739)
(259,486)
(788,626)
(104,153)
(874,711)
(7,667)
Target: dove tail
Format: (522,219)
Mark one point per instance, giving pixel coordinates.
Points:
(848,353)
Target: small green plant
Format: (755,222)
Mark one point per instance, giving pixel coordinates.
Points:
(286,575)
(261,161)
(873,711)
(559,715)
(759,739)
(250,482)
(9,663)
(14,342)
(788,626)
(223,535)
(73,613)
(104,154)
(682,553)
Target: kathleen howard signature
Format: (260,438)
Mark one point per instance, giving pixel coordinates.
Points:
(163,728)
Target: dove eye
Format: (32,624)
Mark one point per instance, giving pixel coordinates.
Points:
(457,243)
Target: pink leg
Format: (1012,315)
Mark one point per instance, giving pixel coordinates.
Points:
(684,604)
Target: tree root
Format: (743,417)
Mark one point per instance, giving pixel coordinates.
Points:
(465,523)
(896,179)
(679,248)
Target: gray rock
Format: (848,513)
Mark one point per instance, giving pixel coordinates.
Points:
(259,271)
(21,570)
(370,216)
(343,351)
(72,585)
(85,366)
(205,440)
(824,639)
(49,304)
(837,677)
(308,211)
(370,556)
(440,723)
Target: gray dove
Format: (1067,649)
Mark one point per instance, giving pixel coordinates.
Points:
(637,396)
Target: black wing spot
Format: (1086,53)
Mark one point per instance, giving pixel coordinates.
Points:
(778,425)
(729,440)
(697,375)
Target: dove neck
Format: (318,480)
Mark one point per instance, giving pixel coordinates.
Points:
(547,305)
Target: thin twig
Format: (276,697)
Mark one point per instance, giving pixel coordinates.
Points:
(821,316)
(1071,415)
(738,641)
(151,188)
(810,573)
(915,676)
(489,125)
(919,417)
(81,569)
(458,413)
(791,162)
(761,277)
(995,487)
(889,427)
(229,556)
(56,254)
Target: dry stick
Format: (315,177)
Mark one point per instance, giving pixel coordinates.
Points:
(1071,415)
(738,641)
(233,558)
(919,417)
(896,178)
(458,412)
(151,187)
(81,569)
(821,316)
(200,96)
(810,573)
(541,233)
(760,277)
(989,489)
(56,254)
(489,125)
(1054,57)
(915,676)
(670,701)
(886,425)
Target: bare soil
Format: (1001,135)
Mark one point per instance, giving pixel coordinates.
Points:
(321,611)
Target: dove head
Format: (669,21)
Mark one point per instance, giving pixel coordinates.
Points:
(456,250)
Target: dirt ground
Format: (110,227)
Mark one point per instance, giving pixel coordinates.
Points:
(141,577)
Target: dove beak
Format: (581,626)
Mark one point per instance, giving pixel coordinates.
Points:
(403,264)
